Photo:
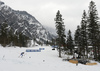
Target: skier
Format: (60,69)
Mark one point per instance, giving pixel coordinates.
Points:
(22,53)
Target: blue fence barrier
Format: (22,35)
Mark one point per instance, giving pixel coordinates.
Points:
(30,50)
(54,46)
(41,48)
(35,50)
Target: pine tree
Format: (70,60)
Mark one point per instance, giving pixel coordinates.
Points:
(25,38)
(60,27)
(77,38)
(98,44)
(21,40)
(4,26)
(10,36)
(83,31)
(93,27)
(70,44)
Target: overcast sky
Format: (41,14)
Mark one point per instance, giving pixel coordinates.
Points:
(45,10)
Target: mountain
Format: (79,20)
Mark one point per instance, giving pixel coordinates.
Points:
(23,22)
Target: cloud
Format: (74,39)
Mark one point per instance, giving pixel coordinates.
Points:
(45,10)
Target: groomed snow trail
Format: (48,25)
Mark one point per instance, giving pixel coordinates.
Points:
(46,60)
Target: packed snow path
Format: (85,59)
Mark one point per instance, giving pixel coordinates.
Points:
(46,60)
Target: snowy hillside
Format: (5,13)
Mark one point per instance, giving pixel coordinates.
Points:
(23,22)
(46,60)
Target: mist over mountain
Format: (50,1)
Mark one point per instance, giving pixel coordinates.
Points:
(23,22)
(51,30)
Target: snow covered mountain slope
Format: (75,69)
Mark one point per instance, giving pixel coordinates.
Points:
(21,21)
(46,60)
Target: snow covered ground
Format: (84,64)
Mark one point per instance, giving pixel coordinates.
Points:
(46,60)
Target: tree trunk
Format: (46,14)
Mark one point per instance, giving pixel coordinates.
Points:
(95,53)
(59,51)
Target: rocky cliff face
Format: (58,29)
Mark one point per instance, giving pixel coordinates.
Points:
(22,22)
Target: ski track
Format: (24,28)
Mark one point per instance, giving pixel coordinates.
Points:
(46,60)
